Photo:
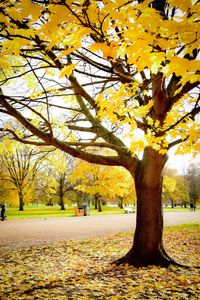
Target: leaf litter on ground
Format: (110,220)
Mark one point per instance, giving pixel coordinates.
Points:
(82,269)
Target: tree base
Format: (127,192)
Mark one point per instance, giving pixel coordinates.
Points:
(162,259)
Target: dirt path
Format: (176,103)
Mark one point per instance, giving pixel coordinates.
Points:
(29,232)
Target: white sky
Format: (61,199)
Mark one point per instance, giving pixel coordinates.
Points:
(181,162)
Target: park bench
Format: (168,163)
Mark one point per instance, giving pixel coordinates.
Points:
(128,210)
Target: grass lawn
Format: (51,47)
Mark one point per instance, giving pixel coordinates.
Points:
(54,211)
(82,270)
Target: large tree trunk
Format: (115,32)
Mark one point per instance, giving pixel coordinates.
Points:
(148,248)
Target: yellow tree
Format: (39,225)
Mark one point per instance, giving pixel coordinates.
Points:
(181,194)
(169,185)
(8,193)
(123,71)
(59,168)
(21,164)
(102,181)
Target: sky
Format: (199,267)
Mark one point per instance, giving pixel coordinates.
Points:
(181,162)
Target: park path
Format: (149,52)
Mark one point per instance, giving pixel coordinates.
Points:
(22,233)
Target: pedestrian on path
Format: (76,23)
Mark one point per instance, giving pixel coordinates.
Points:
(3,211)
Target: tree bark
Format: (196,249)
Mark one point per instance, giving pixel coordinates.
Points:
(172,203)
(99,204)
(121,202)
(21,201)
(62,204)
(95,201)
(147,247)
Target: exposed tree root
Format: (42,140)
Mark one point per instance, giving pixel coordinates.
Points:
(163,260)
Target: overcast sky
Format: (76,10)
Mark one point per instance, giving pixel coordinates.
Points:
(181,162)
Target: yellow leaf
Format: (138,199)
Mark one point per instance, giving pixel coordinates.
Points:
(67,71)
(103,47)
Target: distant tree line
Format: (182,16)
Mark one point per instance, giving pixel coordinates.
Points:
(29,175)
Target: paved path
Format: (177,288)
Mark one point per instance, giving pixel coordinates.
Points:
(41,231)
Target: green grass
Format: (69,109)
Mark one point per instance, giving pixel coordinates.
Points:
(187,226)
(54,211)
(38,212)
(177,209)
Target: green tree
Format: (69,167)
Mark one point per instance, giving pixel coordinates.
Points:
(101,69)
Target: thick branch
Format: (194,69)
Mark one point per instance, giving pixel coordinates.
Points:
(98,159)
(21,140)
(186,88)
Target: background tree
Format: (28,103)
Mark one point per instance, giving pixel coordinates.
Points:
(181,195)
(102,181)
(21,164)
(44,186)
(97,69)
(7,191)
(60,166)
(175,188)
(169,185)
(193,179)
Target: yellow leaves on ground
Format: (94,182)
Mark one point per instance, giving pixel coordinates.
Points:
(81,269)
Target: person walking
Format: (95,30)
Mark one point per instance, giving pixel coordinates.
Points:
(3,211)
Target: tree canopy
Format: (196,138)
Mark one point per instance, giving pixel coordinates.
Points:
(97,67)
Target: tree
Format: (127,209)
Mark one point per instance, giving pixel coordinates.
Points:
(60,166)
(169,185)
(7,191)
(21,164)
(102,181)
(100,74)
(193,179)
(180,195)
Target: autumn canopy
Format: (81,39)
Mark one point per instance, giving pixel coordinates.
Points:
(117,75)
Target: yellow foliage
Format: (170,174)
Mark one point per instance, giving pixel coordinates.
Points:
(169,184)
(107,50)
(127,31)
(184,5)
(103,180)
(67,71)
